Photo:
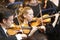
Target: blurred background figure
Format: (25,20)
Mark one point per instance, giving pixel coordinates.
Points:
(35,5)
(57,4)
(14,5)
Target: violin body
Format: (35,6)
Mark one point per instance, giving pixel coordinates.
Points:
(37,21)
(13,30)
(17,29)
(26,31)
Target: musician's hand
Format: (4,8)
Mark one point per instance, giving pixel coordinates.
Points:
(24,36)
(43,27)
(20,36)
(57,14)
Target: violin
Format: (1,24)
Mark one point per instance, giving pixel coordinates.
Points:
(37,21)
(15,29)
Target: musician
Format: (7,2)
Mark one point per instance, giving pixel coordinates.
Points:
(34,4)
(6,20)
(26,17)
(57,28)
(47,4)
(50,28)
(13,5)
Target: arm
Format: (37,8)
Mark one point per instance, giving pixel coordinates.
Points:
(34,29)
(55,21)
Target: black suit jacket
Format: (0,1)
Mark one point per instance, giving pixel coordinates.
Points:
(3,36)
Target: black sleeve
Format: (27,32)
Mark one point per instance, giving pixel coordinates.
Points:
(11,38)
(3,37)
(49,28)
(7,38)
